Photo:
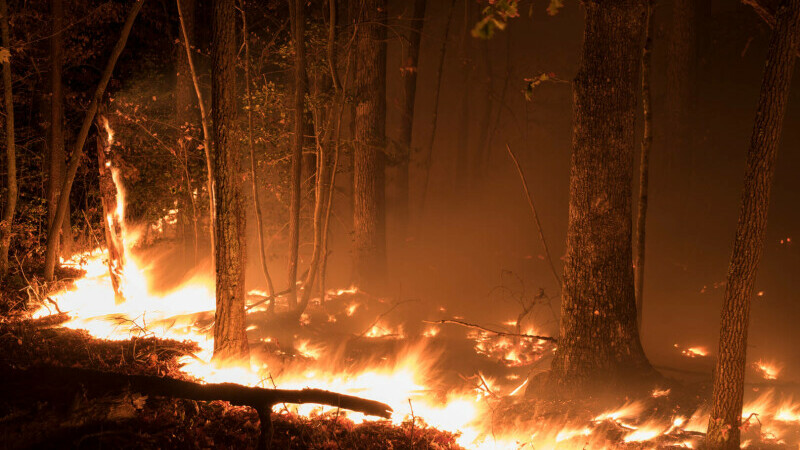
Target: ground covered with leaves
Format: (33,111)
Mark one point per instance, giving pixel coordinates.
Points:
(73,420)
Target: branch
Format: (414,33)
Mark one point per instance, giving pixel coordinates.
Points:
(499,333)
(765,9)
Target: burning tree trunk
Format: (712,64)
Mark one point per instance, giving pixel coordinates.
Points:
(644,164)
(56,157)
(77,151)
(599,340)
(230,339)
(112,205)
(726,411)
(298,15)
(408,71)
(10,207)
(369,205)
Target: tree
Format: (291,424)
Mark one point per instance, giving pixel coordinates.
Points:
(6,230)
(644,164)
(599,342)
(408,72)
(112,208)
(369,204)
(726,410)
(230,338)
(77,150)
(56,157)
(298,27)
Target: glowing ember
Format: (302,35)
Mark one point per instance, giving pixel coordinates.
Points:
(694,352)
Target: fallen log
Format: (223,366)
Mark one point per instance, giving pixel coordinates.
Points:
(46,381)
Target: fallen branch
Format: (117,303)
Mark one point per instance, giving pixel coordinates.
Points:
(41,322)
(488,330)
(60,380)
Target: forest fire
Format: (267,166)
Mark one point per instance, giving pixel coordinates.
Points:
(398,225)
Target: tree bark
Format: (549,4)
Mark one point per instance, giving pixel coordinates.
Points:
(408,72)
(599,342)
(57,159)
(230,338)
(112,207)
(251,146)
(369,203)
(300,88)
(726,410)
(9,209)
(644,165)
(77,151)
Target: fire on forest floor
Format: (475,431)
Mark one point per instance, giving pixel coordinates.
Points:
(459,380)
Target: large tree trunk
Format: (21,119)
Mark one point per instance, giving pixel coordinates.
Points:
(726,411)
(599,341)
(56,157)
(369,205)
(408,72)
(230,339)
(10,206)
(186,114)
(112,208)
(77,151)
(298,15)
(644,164)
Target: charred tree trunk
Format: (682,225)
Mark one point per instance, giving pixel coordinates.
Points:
(644,164)
(186,114)
(112,208)
(408,72)
(369,205)
(726,411)
(10,207)
(297,7)
(599,340)
(230,338)
(77,151)
(56,158)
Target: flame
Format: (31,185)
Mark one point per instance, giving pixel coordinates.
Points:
(768,370)
(693,352)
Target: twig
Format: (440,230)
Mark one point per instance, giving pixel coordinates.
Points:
(488,330)
(384,314)
(535,215)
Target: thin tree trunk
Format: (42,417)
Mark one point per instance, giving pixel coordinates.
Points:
(77,151)
(599,343)
(206,133)
(230,338)
(726,410)
(112,208)
(297,7)
(10,207)
(251,146)
(427,158)
(369,203)
(57,164)
(408,72)
(186,114)
(644,164)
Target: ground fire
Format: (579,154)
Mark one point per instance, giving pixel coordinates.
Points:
(399,224)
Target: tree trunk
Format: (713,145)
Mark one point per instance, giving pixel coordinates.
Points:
(186,114)
(251,146)
(112,208)
(726,411)
(644,164)
(297,7)
(57,159)
(77,151)
(11,153)
(206,133)
(599,343)
(369,205)
(408,72)
(230,338)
